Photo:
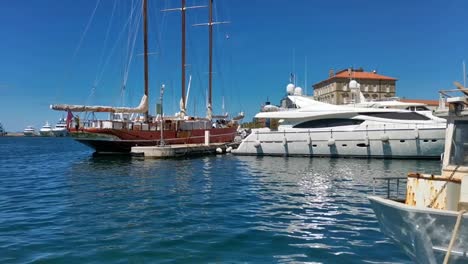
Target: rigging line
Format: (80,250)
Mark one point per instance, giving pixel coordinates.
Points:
(130,56)
(131,52)
(86,30)
(101,59)
(163,28)
(219,71)
(113,49)
(196,71)
(68,71)
(127,48)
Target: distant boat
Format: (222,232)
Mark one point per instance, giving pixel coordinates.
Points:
(46,130)
(60,129)
(29,131)
(2,130)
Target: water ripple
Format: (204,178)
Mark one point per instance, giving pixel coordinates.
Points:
(59,204)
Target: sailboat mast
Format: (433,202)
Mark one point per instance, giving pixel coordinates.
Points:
(145,44)
(210,70)
(183,57)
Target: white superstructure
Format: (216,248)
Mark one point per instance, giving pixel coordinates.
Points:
(314,128)
(29,131)
(46,130)
(60,129)
(431,224)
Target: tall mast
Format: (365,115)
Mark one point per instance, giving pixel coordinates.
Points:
(183,29)
(183,58)
(145,52)
(210,70)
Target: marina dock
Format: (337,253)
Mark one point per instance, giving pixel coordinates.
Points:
(182,150)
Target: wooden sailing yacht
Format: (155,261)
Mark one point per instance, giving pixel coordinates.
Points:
(119,134)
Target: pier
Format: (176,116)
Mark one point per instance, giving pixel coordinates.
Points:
(182,150)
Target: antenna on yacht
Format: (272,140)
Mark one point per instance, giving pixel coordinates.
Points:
(464,74)
(305,77)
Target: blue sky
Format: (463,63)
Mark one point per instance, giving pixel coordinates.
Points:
(46,58)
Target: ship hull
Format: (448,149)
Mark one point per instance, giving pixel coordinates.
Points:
(120,141)
(399,143)
(423,233)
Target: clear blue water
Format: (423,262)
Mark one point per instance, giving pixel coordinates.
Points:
(58,204)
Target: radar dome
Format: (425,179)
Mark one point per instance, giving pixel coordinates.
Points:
(298,91)
(290,88)
(353,84)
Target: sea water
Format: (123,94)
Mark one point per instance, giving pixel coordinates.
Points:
(59,204)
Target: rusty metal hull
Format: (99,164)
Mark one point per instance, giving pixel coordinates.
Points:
(424,234)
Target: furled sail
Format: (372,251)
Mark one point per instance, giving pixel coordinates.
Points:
(142,108)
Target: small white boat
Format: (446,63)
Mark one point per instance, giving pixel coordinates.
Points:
(29,131)
(431,222)
(46,130)
(60,129)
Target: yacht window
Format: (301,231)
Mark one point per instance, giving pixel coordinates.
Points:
(332,122)
(398,115)
(459,151)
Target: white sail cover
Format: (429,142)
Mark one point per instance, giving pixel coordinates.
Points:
(142,108)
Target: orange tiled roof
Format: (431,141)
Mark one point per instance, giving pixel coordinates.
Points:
(362,75)
(357,75)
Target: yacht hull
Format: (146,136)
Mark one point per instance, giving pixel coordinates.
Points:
(118,141)
(396,143)
(60,132)
(424,234)
(47,133)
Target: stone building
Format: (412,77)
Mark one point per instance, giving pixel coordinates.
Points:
(336,90)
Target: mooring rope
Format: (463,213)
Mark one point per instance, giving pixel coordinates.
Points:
(443,187)
(454,236)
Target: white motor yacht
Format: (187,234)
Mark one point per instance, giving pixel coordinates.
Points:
(46,130)
(29,131)
(60,129)
(315,128)
(431,222)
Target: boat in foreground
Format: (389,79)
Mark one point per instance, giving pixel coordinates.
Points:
(431,224)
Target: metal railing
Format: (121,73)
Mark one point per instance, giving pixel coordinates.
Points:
(396,184)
